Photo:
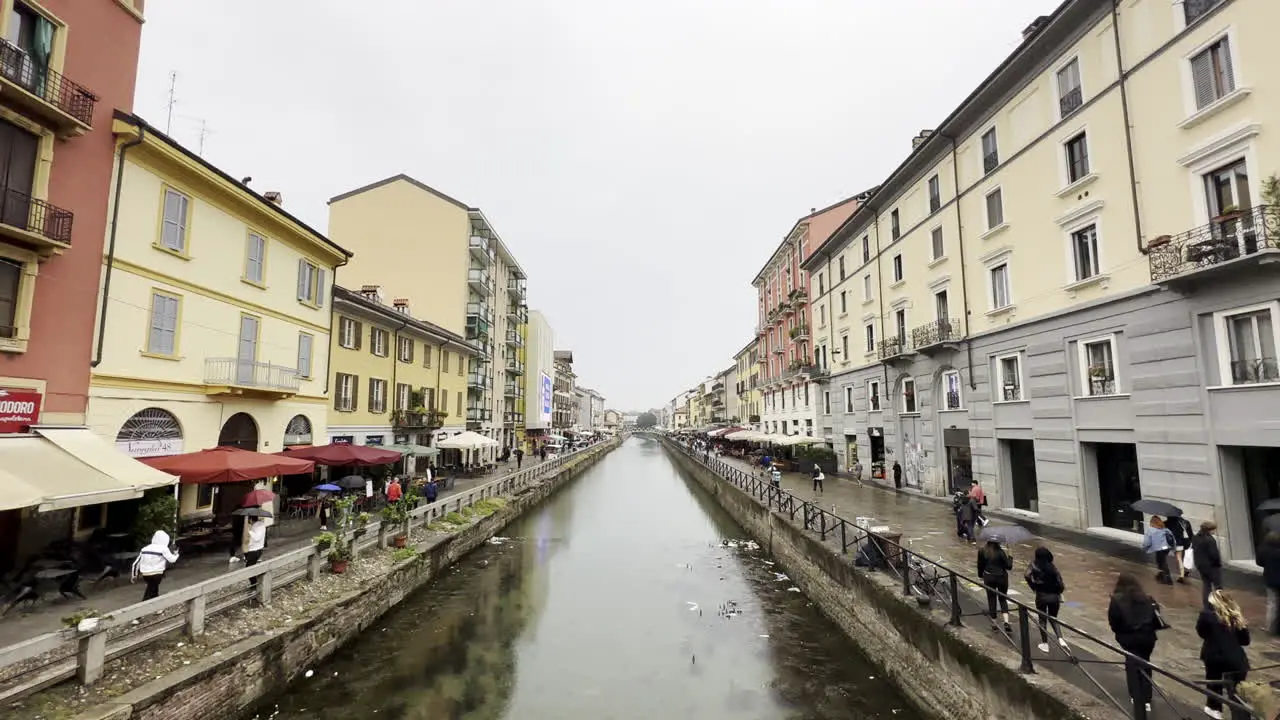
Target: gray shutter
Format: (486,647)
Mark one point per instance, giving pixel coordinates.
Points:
(1228,74)
(1202,78)
(321,295)
(359,333)
(337,394)
(302,279)
(355,393)
(171,325)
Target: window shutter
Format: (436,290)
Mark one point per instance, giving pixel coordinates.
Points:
(372,397)
(359,332)
(320,289)
(355,392)
(1202,78)
(302,279)
(1228,74)
(337,394)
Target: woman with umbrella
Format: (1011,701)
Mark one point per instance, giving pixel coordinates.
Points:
(1179,530)
(326,505)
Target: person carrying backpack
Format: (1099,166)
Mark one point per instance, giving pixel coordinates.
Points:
(1046,582)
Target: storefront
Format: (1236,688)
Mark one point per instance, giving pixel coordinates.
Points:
(875,437)
(959,467)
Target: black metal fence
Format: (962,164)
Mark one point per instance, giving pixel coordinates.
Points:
(1228,237)
(69,97)
(21,210)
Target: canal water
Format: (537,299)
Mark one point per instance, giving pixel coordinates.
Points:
(617,598)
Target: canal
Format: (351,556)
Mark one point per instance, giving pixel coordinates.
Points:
(617,598)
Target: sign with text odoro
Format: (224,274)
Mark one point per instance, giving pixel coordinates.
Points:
(19,410)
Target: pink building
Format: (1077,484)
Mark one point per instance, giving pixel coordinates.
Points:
(784,322)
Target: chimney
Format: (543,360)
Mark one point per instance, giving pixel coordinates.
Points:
(919,139)
(1035,27)
(274,197)
(401,305)
(372,292)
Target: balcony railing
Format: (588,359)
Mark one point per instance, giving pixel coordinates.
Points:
(990,161)
(476,381)
(517,314)
(938,332)
(800,332)
(517,289)
(1011,392)
(475,414)
(429,420)
(893,348)
(1230,237)
(248,374)
(479,247)
(1070,101)
(512,418)
(952,400)
(70,98)
(515,366)
(514,339)
(513,390)
(479,281)
(20,210)
(1193,10)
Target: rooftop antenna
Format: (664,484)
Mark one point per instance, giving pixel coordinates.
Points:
(173,100)
(204,132)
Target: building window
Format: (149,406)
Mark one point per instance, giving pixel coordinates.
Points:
(866,287)
(873,395)
(344,392)
(1098,366)
(1084,251)
(377,395)
(895,227)
(822,316)
(844,302)
(990,151)
(255,259)
(844,348)
(1211,75)
(935,194)
(941,309)
(897,268)
(995,209)
(866,249)
(461,365)
(404,349)
(821,288)
(349,333)
(900,321)
(1077,149)
(378,341)
(1009,377)
(951,390)
(1000,295)
(848,399)
(204,496)
(427,352)
(173,231)
(310,283)
(404,393)
(1070,96)
(826,402)
(908,395)
(10,285)
(871,337)
(1193,10)
(939,248)
(304,355)
(162,337)
(1246,344)
(840,262)
(1227,190)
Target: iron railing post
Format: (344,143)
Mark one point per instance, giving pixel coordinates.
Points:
(844,538)
(955,600)
(822,525)
(905,557)
(1024,639)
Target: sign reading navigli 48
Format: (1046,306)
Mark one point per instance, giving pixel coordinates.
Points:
(19,410)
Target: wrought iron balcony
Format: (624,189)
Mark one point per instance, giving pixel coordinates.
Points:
(60,102)
(800,333)
(428,420)
(893,349)
(479,247)
(1230,241)
(937,335)
(1070,102)
(233,376)
(798,297)
(990,161)
(1193,10)
(1011,392)
(34,222)
(1255,370)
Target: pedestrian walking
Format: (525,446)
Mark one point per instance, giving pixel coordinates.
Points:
(1133,617)
(1158,541)
(857,472)
(151,563)
(519,457)
(1207,559)
(775,475)
(255,541)
(394,491)
(818,477)
(1268,558)
(326,512)
(1225,634)
(994,565)
(980,501)
(1182,534)
(433,491)
(1045,581)
(897,475)
(968,517)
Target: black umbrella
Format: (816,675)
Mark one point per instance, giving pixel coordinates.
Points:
(1156,507)
(1271,523)
(1272,505)
(252,512)
(352,482)
(1007,534)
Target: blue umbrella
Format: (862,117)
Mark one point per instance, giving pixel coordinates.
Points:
(328,488)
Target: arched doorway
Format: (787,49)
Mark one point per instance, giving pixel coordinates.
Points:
(150,433)
(240,431)
(298,431)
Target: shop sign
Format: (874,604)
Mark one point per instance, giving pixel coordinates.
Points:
(19,410)
(374,440)
(875,432)
(150,447)
(342,439)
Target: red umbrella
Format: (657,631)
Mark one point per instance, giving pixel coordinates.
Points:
(340,455)
(228,464)
(256,498)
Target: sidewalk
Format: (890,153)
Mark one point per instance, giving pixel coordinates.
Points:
(116,593)
(928,529)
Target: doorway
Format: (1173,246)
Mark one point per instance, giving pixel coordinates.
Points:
(1258,468)
(1119,486)
(18,152)
(959,459)
(1020,459)
(875,437)
(240,431)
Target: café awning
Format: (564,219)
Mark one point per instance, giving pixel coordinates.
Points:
(67,467)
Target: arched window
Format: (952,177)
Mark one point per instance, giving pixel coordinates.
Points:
(298,431)
(241,431)
(150,433)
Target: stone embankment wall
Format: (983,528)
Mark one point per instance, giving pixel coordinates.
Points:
(243,674)
(953,673)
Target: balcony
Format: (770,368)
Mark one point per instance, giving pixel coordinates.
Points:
(512,390)
(477,415)
(1193,10)
(60,103)
(514,340)
(513,418)
(477,382)
(1070,102)
(515,367)
(477,328)
(516,289)
(990,161)
(798,297)
(247,378)
(429,420)
(1233,241)
(517,314)
(478,281)
(778,351)
(938,335)
(800,333)
(45,228)
(894,350)
(480,252)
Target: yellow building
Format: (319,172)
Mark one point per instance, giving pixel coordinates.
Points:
(747,384)
(217,312)
(1063,292)
(394,379)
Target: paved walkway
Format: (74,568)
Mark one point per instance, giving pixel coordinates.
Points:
(928,528)
(113,594)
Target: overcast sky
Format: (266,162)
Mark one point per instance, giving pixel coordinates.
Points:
(641,158)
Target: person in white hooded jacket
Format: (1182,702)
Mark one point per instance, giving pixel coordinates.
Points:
(152,561)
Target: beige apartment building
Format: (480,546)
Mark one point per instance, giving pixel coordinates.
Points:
(747,384)
(444,259)
(1064,291)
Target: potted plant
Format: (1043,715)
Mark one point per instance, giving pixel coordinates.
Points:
(1229,213)
(325,540)
(339,557)
(396,515)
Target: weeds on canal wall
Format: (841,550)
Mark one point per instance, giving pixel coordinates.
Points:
(404,553)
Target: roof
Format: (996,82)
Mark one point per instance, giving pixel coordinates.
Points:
(788,237)
(387,181)
(351,296)
(155,132)
(565,355)
(478,214)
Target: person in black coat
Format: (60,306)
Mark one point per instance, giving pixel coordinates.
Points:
(1225,634)
(994,565)
(1046,582)
(1269,560)
(897,475)
(1132,616)
(1208,560)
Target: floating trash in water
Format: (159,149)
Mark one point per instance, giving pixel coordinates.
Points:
(779,577)
(764,636)
(793,588)
(498,540)
(309,673)
(692,605)
(767,562)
